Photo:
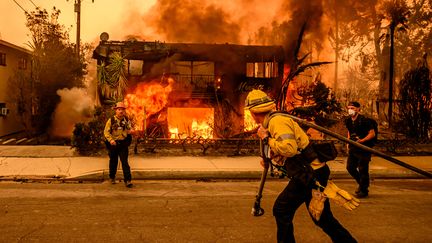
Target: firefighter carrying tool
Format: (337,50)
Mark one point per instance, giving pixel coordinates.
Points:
(290,148)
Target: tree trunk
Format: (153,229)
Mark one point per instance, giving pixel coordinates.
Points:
(391,72)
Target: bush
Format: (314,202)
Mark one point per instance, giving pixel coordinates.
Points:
(415,106)
(88,138)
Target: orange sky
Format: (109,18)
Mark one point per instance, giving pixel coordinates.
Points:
(102,15)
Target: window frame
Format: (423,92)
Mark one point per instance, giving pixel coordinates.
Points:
(2,59)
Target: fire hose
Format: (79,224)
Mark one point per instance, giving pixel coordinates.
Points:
(258,211)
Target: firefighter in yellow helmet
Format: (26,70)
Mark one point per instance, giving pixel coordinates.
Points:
(289,147)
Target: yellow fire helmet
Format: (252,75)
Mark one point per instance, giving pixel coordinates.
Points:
(258,102)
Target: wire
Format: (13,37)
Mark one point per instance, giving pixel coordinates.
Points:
(20,7)
(33,3)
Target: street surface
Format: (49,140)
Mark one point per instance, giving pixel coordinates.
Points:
(199,211)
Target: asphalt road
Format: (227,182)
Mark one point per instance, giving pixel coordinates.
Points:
(199,211)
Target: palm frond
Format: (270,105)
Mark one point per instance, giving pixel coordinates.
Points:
(117,74)
(102,74)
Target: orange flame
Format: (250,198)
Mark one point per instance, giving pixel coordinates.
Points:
(150,98)
(147,99)
(249,122)
(192,122)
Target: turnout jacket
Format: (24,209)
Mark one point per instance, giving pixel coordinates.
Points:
(116,129)
(287,139)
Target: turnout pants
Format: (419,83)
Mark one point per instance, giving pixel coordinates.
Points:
(358,167)
(295,194)
(114,152)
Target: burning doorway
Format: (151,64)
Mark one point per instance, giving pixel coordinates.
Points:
(190,122)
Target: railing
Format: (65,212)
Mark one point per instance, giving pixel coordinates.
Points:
(232,146)
(200,82)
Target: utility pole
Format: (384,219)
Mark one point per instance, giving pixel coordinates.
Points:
(77,8)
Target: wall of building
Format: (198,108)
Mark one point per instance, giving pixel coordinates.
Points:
(15,58)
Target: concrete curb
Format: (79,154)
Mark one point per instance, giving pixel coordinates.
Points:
(101,175)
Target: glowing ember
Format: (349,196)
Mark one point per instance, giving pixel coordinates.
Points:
(249,122)
(192,122)
(147,99)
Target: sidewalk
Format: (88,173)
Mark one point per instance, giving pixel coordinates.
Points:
(61,163)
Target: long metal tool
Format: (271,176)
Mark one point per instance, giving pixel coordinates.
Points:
(264,148)
(359,145)
(258,211)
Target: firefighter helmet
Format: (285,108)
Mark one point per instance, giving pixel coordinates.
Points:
(258,102)
(120,105)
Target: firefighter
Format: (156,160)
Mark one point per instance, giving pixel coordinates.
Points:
(118,138)
(288,144)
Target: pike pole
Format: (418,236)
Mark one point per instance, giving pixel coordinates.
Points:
(264,149)
(361,146)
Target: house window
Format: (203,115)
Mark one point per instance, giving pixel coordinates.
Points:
(22,63)
(2,59)
(262,69)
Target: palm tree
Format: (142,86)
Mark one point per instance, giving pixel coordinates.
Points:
(112,79)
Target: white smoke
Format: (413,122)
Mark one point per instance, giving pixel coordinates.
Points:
(76,105)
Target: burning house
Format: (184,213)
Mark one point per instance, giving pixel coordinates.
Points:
(186,89)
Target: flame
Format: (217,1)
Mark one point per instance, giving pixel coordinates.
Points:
(190,122)
(249,122)
(201,129)
(147,99)
(174,133)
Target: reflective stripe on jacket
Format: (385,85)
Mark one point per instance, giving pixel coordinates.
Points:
(286,137)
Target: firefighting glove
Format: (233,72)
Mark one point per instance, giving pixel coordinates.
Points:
(316,205)
(341,197)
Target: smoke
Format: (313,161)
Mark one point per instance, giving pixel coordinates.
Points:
(205,21)
(76,105)
(183,21)
(271,22)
